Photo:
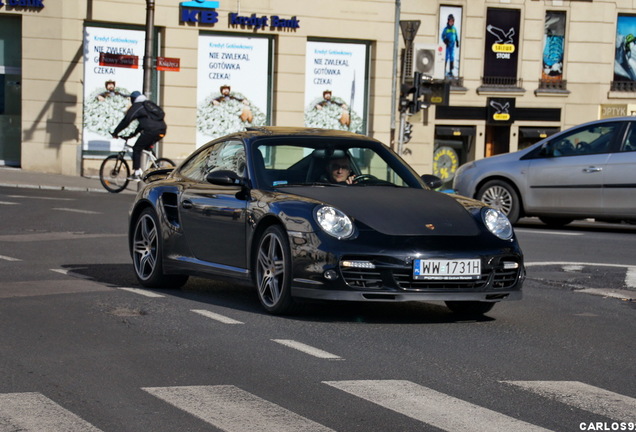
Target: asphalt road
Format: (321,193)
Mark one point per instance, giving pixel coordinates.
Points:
(82,348)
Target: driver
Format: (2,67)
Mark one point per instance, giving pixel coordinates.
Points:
(339,171)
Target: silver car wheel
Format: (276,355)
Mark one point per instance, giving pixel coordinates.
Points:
(272,275)
(145,247)
(498,197)
(270,271)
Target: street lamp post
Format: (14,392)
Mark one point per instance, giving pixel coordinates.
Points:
(148,53)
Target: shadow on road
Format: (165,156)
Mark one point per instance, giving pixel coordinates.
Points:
(244,298)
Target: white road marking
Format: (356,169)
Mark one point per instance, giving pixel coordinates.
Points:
(8,203)
(33,412)
(584,396)
(54,236)
(431,407)
(8,258)
(217,317)
(61,271)
(75,210)
(231,409)
(307,349)
(41,198)
(142,292)
(630,276)
(563,233)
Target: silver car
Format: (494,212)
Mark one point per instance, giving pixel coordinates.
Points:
(587,171)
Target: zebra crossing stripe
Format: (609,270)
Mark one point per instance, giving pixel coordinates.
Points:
(432,407)
(234,410)
(584,396)
(33,412)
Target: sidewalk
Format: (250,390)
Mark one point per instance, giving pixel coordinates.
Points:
(17,177)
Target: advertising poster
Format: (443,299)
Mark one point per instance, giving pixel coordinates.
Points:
(233,85)
(450,25)
(335,90)
(553,46)
(502,43)
(107,88)
(624,61)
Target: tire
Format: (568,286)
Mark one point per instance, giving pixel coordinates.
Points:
(165,163)
(555,221)
(114,173)
(272,274)
(470,308)
(147,254)
(502,196)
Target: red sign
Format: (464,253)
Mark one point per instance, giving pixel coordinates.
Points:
(119,60)
(168,64)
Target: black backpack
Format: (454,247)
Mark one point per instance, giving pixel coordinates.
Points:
(154,111)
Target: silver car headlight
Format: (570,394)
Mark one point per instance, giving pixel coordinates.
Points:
(497,223)
(334,222)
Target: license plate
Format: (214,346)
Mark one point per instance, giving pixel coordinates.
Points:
(444,269)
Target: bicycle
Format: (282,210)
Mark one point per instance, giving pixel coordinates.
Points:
(114,173)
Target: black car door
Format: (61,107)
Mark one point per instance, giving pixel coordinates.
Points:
(213,216)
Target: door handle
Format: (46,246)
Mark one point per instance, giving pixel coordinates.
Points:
(592,169)
(187,204)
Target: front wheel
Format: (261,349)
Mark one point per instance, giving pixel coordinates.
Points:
(273,271)
(470,308)
(114,173)
(165,163)
(502,196)
(147,254)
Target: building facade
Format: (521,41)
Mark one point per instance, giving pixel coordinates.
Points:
(517,71)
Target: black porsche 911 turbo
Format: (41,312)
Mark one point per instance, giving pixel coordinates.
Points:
(320,214)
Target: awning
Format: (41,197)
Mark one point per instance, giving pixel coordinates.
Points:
(454,131)
(537,132)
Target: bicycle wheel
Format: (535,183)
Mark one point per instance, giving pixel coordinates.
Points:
(165,163)
(114,174)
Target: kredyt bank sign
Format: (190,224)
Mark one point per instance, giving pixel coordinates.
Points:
(203,12)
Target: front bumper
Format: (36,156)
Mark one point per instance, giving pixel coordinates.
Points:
(389,274)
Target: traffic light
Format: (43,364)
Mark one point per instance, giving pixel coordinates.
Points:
(408,131)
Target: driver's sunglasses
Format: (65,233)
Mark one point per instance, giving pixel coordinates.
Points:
(335,167)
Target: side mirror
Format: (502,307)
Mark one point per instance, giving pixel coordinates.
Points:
(225,178)
(432,181)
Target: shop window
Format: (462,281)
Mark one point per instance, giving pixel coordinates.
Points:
(553,52)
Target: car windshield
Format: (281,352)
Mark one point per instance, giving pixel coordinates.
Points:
(329,162)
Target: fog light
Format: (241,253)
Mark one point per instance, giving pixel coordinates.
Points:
(330,275)
(358,264)
(510,265)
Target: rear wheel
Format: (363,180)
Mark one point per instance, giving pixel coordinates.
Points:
(502,196)
(147,251)
(470,308)
(114,173)
(273,271)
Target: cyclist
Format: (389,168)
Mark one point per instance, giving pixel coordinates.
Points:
(151,129)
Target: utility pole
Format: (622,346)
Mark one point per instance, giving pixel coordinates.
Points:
(409,30)
(150,42)
(396,45)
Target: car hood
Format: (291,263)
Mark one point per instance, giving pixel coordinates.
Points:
(398,211)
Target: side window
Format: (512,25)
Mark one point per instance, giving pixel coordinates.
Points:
(630,140)
(227,155)
(593,139)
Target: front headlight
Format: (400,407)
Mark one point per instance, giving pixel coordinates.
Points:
(497,223)
(334,222)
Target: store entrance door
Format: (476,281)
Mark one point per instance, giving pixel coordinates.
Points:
(10,90)
(497,140)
